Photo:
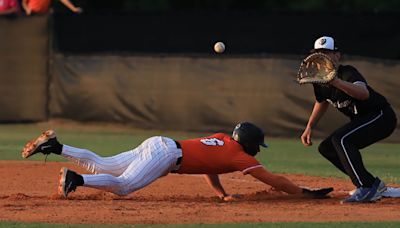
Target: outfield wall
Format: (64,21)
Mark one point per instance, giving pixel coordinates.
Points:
(204,92)
(23,68)
(198,93)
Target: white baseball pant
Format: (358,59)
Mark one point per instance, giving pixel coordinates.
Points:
(128,171)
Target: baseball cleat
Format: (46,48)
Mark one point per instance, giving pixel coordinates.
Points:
(67,182)
(363,195)
(45,143)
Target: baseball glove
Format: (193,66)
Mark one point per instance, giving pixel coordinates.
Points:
(316,68)
(319,193)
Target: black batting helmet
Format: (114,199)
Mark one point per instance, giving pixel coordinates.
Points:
(250,137)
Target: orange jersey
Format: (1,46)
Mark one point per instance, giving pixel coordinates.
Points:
(215,154)
(39,6)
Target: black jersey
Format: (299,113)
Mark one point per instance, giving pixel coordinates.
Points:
(346,104)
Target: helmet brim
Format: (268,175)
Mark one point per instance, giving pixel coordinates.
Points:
(264,145)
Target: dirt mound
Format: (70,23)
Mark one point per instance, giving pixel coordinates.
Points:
(28,193)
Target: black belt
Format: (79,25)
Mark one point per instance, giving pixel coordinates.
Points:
(178,145)
(179,160)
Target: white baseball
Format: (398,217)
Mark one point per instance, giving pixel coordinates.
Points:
(219,47)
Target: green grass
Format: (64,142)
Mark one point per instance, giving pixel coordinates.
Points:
(104,140)
(283,155)
(290,156)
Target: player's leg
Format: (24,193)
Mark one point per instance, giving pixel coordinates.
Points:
(114,165)
(158,156)
(351,160)
(47,143)
(379,129)
(352,137)
(359,133)
(327,150)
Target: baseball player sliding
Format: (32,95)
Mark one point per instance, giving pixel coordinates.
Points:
(157,156)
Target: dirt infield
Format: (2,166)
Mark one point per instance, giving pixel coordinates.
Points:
(28,193)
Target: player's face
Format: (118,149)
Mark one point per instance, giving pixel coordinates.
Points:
(334,55)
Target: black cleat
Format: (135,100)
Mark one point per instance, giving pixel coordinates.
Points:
(46,143)
(68,181)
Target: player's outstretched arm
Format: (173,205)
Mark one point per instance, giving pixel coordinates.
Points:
(214,182)
(71,6)
(278,182)
(283,184)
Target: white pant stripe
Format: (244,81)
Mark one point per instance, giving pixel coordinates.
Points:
(114,165)
(344,148)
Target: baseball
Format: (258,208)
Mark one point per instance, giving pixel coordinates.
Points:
(219,47)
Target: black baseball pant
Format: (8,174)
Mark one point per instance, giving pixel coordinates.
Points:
(342,147)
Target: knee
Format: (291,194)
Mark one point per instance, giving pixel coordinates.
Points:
(122,187)
(325,147)
(336,139)
(128,185)
(341,142)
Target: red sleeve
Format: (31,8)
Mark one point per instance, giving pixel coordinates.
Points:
(244,162)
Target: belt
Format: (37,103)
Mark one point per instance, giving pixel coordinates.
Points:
(178,145)
(179,160)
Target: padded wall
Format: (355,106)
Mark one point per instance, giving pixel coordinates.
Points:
(23,68)
(198,94)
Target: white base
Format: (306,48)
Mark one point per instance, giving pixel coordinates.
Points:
(391,192)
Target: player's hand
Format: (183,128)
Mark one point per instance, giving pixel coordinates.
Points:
(306,137)
(28,11)
(319,193)
(78,10)
(233,197)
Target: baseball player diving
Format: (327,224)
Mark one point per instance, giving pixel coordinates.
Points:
(371,119)
(157,156)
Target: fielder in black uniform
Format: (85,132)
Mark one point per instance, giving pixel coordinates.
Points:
(371,119)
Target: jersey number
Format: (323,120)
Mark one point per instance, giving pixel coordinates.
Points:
(212,142)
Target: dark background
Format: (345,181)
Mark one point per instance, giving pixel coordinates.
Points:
(240,5)
(361,28)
